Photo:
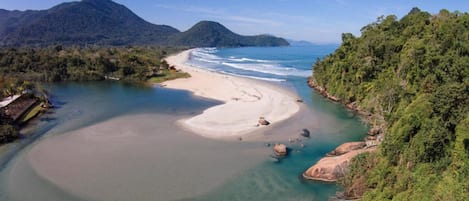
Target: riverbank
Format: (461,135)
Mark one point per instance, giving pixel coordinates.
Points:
(244,101)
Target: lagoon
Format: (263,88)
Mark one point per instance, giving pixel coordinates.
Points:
(148,156)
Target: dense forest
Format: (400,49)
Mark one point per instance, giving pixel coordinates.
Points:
(22,69)
(412,76)
(214,34)
(83,64)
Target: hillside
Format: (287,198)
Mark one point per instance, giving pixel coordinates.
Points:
(412,76)
(104,22)
(213,34)
(86,22)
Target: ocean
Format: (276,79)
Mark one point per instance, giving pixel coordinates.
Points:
(210,170)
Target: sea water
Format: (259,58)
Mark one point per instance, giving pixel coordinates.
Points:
(289,67)
(83,104)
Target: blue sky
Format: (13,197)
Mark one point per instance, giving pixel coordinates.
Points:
(318,21)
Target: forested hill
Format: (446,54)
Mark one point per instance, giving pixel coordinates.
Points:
(104,22)
(213,34)
(412,74)
(100,22)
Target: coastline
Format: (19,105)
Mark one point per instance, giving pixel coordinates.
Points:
(244,101)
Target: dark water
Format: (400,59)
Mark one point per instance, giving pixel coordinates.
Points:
(83,104)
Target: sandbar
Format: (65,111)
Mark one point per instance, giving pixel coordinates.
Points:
(244,101)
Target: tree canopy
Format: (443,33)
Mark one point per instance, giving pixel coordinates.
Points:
(412,75)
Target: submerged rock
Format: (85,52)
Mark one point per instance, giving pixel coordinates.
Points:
(305,133)
(280,149)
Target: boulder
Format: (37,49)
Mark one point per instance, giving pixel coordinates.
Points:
(263,122)
(372,143)
(346,147)
(280,149)
(332,98)
(305,133)
(374,131)
(371,137)
(352,106)
(330,169)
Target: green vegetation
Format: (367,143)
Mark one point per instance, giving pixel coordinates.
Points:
(104,22)
(82,64)
(97,22)
(8,133)
(10,86)
(21,69)
(412,75)
(166,75)
(213,34)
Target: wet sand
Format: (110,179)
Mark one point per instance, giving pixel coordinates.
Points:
(140,157)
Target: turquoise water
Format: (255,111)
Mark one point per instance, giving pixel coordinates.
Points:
(82,104)
(332,124)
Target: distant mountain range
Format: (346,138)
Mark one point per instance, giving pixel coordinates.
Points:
(300,43)
(104,22)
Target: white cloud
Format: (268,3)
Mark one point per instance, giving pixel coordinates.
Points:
(253,20)
(192,9)
(221,14)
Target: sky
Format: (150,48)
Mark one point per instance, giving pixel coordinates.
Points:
(317,21)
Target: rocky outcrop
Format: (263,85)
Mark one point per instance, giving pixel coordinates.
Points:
(263,122)
(321,90)
(346,147)
(375,131)
(352,106)
(331,168)
(280,150)
(336,162)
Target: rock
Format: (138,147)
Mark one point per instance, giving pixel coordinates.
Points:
(371,138)
(263,122)
(346,147)
(332,98)
(280,149)
(374,131)
(352,106)
(330,169)
(372,143)
(305,133)
(299,100)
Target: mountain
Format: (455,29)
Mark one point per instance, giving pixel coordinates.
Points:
(104,22)
(86,22)
(411,77)
(300,43)
(213,34)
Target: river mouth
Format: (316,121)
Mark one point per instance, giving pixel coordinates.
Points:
(142,154)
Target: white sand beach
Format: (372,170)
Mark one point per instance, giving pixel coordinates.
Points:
(245,101)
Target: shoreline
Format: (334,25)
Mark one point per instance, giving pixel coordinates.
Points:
(244,101)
